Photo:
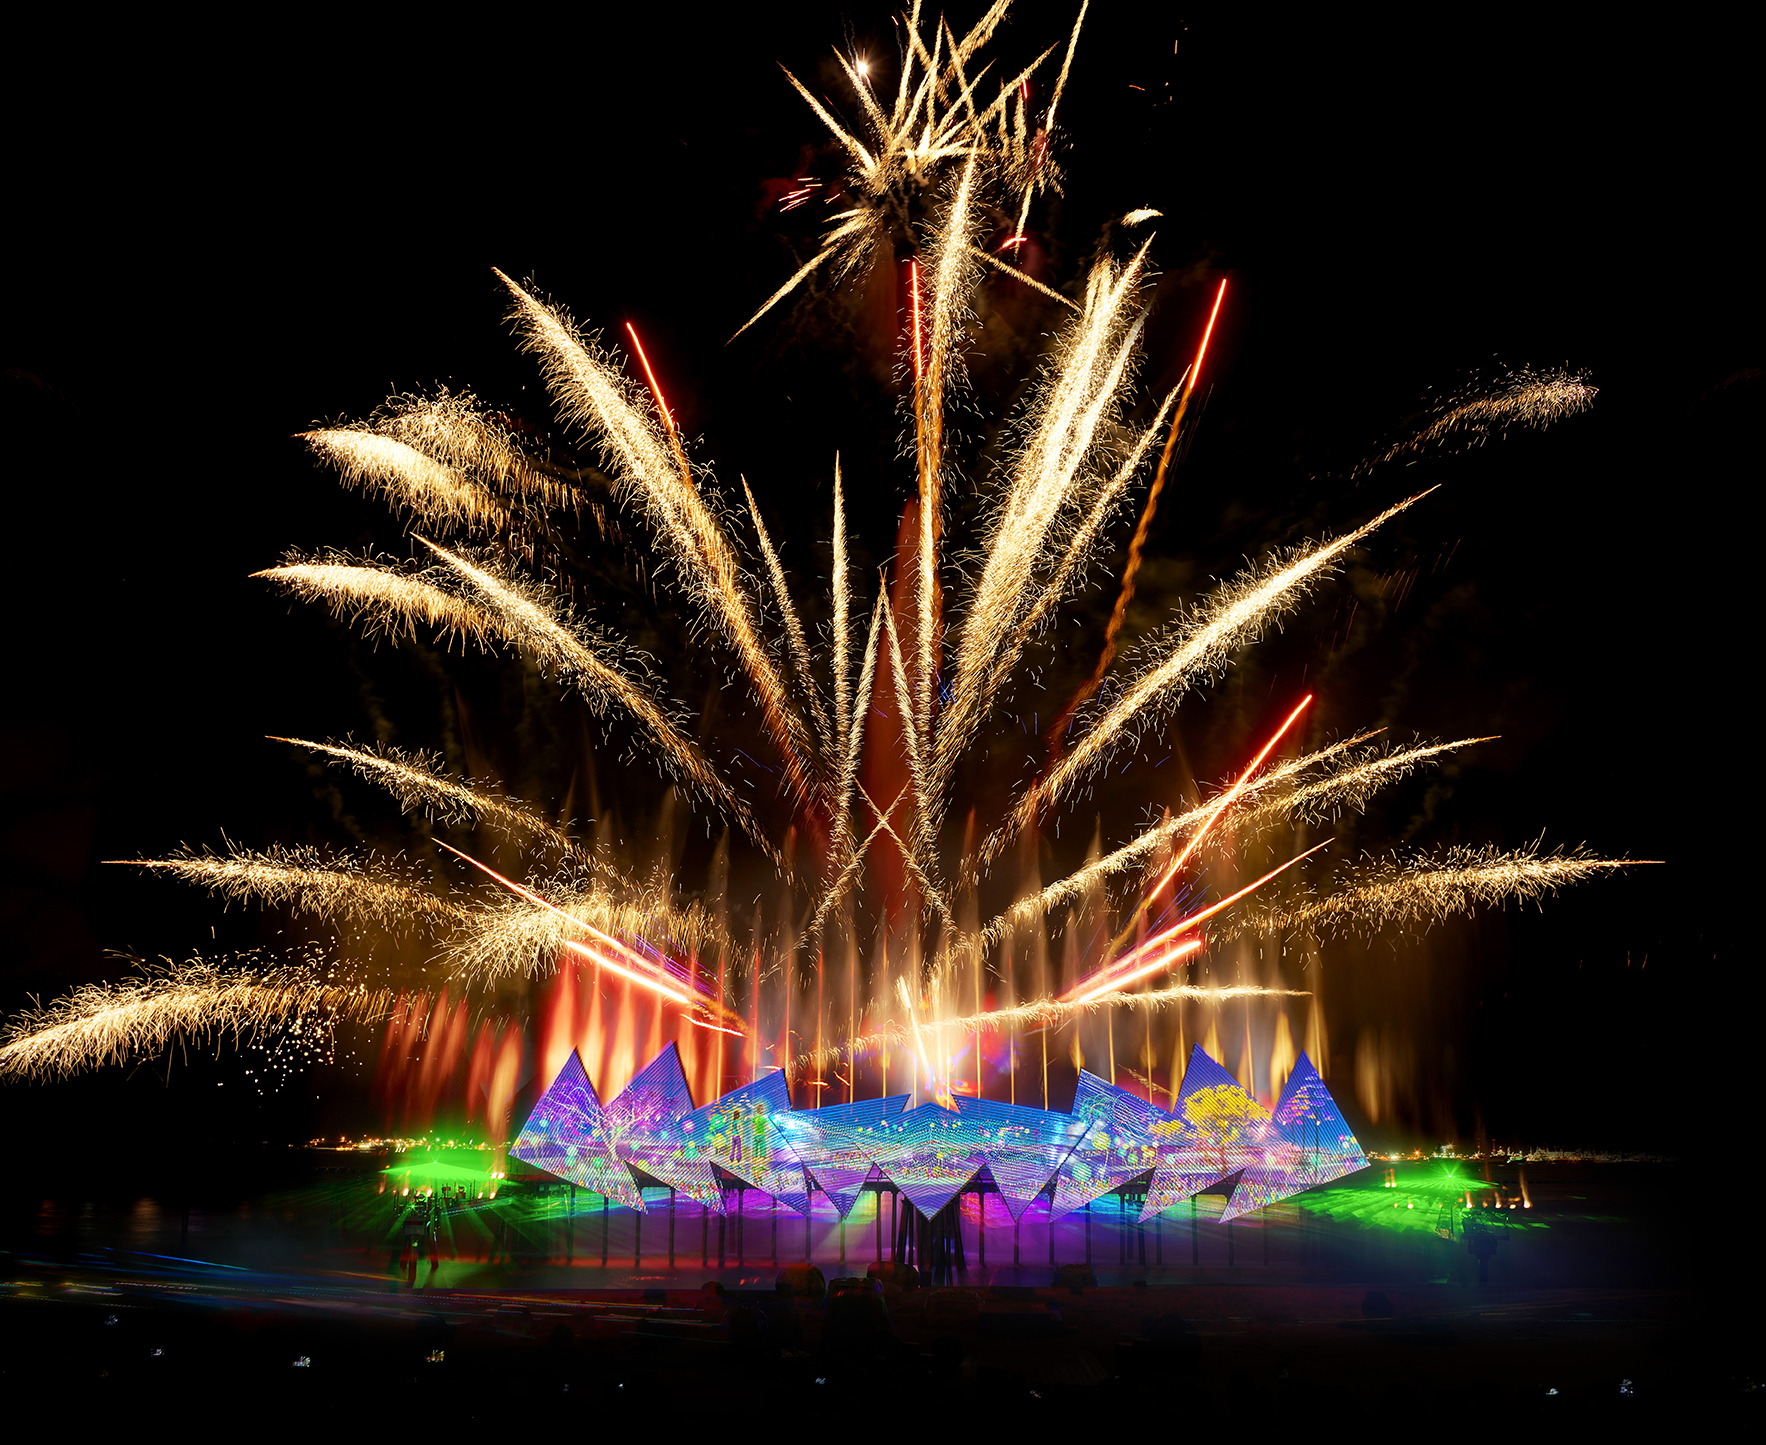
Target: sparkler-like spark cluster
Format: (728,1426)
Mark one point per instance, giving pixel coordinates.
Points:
(942,646)
(199,1001)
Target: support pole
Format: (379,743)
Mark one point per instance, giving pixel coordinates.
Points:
(1195,1235)
(877,1194)
(638,1238)
(603,1231)
(671,1227)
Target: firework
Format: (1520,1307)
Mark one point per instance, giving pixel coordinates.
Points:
(516,937)
(926,173)
(384,601)
(1523,398)
(657,475)
(373,891)
(1234,617)
(415,780)
(1348,787)
(1387,893)
(433,491)
(202,1000)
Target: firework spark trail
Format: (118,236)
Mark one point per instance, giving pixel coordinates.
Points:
(593,396)
(648,971)
(1078,398)
(953,279)
(454,428)
(108,1023)
(904,156)
(1025,277)
(1136,967)
(1027,912)
(842,607)
(1040,165)
(1312,802)
(1131,568)
(1353,786)
(415,782)
(1234,617)
(534,628)
(793,627)
(934,895)
(1219,807)
(1527,398)
(1117,974)
(910,738)
(515,938)
(434,491)
(389,603)
(327,886)
(1072,561)
(1042,1013)
(837,890)
(1392,891)
(859,708)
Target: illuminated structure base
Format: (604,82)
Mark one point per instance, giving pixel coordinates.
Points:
(1112,1142)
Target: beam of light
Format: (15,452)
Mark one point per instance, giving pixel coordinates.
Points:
(699,1023)
(1202,350)
(648,972)
(1226,801)
(655,387)
(914,300)
(1111,976)
(643,980)
(1121,981)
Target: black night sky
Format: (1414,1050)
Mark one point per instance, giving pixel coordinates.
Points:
(214,241)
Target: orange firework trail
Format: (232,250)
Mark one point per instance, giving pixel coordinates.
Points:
(1138,543)
(1226,800)
(642,971)
(1111,977)
(668,420)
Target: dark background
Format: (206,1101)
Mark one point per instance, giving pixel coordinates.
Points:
(213,241)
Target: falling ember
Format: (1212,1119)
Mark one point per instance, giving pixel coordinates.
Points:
(591,944)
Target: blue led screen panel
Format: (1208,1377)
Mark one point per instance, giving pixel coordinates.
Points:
(929,1153)
(1219,1130)
(1023,1147)
(739,1134)
(1123,1133)
(645,1124)
(567,1135)
(832,1145)
(1312,1144)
